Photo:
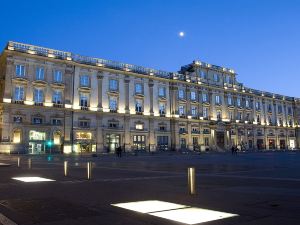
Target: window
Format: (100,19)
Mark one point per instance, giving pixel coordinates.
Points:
(205,113)
(57,138)
(258,119)
(35,135)
(193,95)
(229,100)
(194,111)
(113,124)
(205,97)
(228,79)
(38,95)
(247,117)
(181,94)
(181,110)
(84,123)
(162,127)
(239,116)
(113,103)
(218,99)
(138,88)
(280,109)
(84,99)
(203,74)
(289,110)
(269,108)
(139,105)
(270,120)
(17,136)
(19,93)
(17,119)
(231,115)
(219,114)
(20,70)
(139,126)
(57,97)
(39,73)
(84,81)
(216,77)
(162,108)
(56,122)
(257,105)
(37,120)
(247,103)
(206,141)
(113,85)
(139,142)
(238,102)
(162,141)
(57,76)
(162,92)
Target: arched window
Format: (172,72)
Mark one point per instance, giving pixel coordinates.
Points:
(57,137)
(17,136)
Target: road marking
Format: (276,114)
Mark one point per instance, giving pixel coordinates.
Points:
(6,221)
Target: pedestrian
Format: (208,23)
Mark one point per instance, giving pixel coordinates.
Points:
(120,151)
(232,150)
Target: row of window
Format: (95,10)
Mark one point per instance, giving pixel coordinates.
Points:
(39,73)
(217,77)
(38,120)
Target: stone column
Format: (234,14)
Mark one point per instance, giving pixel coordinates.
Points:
(151,96)
(99,135)
(127,134)
(151,135)
(100,79)
(189,137)
(126,81)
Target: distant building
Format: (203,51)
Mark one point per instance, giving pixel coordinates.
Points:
(62,102)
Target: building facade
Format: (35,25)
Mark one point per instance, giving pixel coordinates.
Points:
(56,101)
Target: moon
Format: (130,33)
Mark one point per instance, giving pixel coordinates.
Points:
(181,34)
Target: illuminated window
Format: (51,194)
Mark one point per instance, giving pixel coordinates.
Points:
(205,113)
(194,110)
(139,105)
(20,70)
(218,99)
(57,138)
(83,135)
(17,136)
(181,110)
(205,97)
(39,73)
(247,103)
(139,126)
(38,136)
(84,99)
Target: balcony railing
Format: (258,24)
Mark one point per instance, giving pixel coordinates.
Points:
(18,101)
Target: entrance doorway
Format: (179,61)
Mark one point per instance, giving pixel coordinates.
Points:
(183,143)
(112,141)
(139,142)
(36,148)
(260,143)
(220,139)
(282,144)
(271,144)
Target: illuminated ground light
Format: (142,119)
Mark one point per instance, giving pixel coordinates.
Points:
(32,179)
(171,211)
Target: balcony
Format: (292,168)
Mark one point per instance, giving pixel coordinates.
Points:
(113,110)
(182,116)
(18,102)
(195,132)
(181,131)
(86,108)
(139,112)
(58,105)
(38,104)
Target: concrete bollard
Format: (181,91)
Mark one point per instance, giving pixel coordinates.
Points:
(29,163)
(66,168)
(192,180)
(19,162)
(89,170)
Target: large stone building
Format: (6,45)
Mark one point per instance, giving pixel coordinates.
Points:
(59,101)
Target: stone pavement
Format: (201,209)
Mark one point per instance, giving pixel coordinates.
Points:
(262,188)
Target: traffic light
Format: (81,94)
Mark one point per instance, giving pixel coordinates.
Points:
(49,143)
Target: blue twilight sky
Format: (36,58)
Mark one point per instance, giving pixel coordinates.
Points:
(259,39)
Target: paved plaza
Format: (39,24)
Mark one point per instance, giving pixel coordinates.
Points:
(260,188)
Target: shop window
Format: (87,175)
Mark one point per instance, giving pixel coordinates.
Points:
(17,136)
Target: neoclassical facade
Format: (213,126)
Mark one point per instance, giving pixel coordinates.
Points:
(56,101)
